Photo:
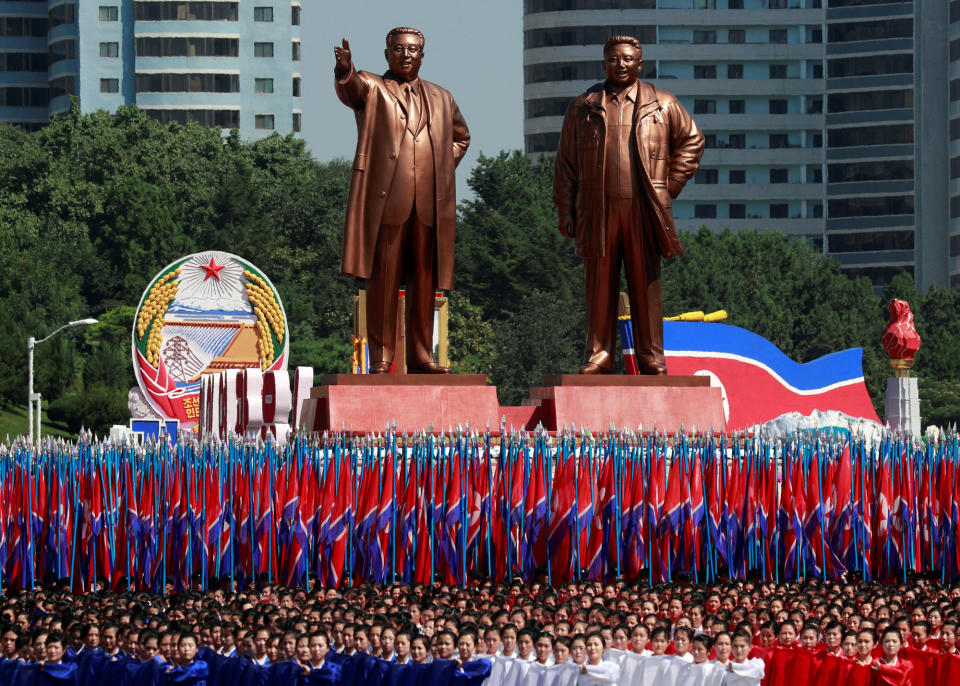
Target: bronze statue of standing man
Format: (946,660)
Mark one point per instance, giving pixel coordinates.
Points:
(626,150)
(401,213)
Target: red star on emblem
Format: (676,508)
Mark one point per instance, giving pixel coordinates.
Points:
(212,269)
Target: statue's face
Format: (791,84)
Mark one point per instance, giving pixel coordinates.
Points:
(405,55)
(622,63)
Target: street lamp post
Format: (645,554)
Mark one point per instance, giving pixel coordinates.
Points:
(35,397)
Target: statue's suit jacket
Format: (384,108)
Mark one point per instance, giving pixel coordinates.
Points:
(669,146)
(379,105)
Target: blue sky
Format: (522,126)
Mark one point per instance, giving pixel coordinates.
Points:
(474,49)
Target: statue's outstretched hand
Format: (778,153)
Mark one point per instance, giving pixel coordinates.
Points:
(344,57)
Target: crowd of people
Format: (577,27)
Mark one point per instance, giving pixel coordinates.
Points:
(526,633)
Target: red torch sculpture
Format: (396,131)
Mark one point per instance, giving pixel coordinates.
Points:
(900,339)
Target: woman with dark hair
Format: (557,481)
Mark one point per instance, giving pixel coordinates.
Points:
(891,669)
(596,670)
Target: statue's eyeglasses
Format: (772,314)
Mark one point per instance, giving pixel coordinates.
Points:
(626,59)
(400,49)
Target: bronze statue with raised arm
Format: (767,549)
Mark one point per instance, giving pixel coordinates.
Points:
(401,212)
(626,150)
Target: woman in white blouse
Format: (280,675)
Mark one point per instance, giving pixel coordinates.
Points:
(596,670)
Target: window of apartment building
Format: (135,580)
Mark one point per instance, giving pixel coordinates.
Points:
(777,4)
(704,4)
(735,5)
(737,210)
(109,13)
(542,142)
(297,117)
(295,51)
(31,61)
(814,139)
(188,83)
(536,6)
(263,85)
(223,119)
(709,140)
(871,66)
(779,210)
(778,35)
(778,176)
(815,70)
(192,46)
(734,71)
(63,85)
(814,173)
(871,206)
(109,85)
(874,170)
(870,241)
(24,26)
(263,121)
(737,176)
(704,71)
(870,100)
(778,106)
(814,34)
(26,96)
(736,36)
(296,86)
(779,140)
(891,134)
(737,106)
(263,14)
(737,140)
(182,10)
(815,105)
(65,13)
(295,16)
(704,106)
(263,49)
(109,50)
(710,176)
(705,211)
(61,50)
(870,30)
(816,211)
(778,71)
(704,36)
(586,35)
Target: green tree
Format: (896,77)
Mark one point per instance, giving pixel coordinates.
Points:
(507,239)
(471,336)
(544,335)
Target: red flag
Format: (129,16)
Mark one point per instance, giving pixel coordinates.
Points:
(422,568)
(881,517)
(340,524)
(562,521)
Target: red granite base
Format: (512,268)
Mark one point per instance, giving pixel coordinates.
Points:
(626,402)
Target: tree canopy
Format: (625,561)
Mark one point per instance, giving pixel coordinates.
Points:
(92,206)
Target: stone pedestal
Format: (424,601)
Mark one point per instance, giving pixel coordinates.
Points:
(902,406)
(364,403)
(627,402)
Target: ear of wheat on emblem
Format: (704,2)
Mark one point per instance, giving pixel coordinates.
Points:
(154,310)
(269,317)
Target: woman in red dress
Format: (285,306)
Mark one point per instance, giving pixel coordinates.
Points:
(891,670)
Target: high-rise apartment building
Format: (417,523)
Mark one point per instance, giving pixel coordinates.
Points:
(219,63)
(954,94)
(808,107)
